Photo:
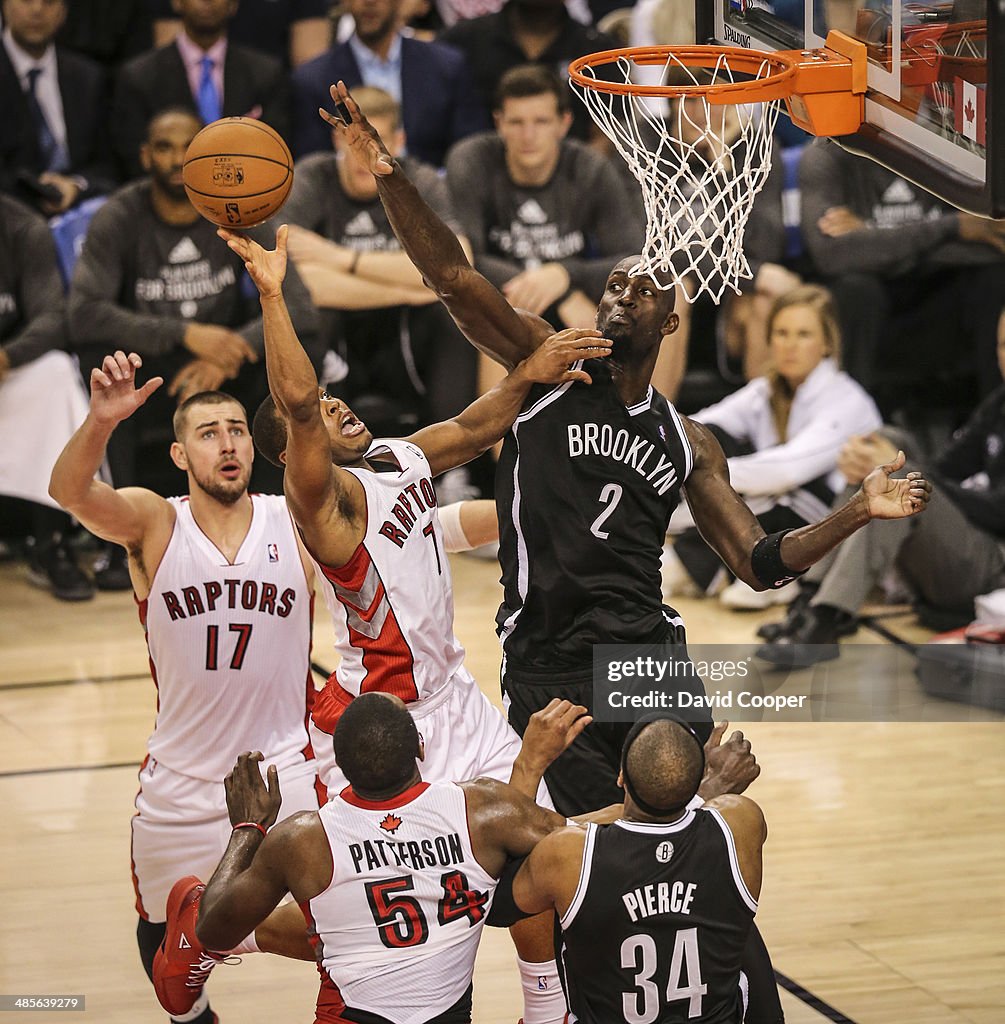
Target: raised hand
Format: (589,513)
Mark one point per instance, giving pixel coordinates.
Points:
(248,798)
(730,767)
(361,136)
(266,267)
(552,730)
(551,362)
(114,395)
(895,499)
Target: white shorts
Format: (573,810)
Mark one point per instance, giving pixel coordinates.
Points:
(181,827)
(465,737)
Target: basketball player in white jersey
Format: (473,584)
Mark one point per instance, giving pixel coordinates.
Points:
(395,875)
(367,515)
(225,598)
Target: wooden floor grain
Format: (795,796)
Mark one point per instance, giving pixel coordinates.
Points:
(883,890)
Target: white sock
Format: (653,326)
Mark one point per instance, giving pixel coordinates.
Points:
(543,998)
(197,1011)
(248,945)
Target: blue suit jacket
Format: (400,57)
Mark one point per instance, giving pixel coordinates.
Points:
(438,101)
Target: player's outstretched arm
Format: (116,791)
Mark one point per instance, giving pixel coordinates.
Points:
(479,309)
(731,529)
(316,490)
(484,422)
(123,516)
(547,879)
(256,870)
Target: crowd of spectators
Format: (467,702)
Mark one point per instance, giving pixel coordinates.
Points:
(101,98)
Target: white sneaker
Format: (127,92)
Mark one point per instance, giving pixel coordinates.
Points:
(743,598)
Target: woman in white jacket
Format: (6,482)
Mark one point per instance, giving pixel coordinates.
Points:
(781,433)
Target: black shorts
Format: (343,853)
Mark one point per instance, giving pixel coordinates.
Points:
(585,777)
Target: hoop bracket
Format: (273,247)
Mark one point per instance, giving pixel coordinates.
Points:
(828,90)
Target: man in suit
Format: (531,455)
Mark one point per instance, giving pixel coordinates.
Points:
(53,143)
(430,80)
(202,71)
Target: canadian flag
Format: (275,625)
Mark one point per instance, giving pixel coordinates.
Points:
(968,107)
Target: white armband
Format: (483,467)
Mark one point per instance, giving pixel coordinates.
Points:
(453,534)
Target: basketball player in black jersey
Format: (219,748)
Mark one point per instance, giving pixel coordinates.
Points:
(654,909)
(588,480)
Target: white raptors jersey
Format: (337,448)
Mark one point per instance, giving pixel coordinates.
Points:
(392,602)
(398,927)
(230,646)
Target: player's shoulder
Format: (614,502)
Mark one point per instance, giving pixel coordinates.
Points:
(739,812)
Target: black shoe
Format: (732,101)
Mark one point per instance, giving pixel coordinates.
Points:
(793,617)
(52,566)
(815,639)
(111,571)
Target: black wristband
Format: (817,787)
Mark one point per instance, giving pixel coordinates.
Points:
(766,561)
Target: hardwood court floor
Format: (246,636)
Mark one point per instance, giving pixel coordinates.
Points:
(883,891)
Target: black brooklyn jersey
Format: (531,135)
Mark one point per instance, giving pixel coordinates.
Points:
(657,927)
(585,489)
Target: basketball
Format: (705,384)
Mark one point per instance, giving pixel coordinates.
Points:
(237,172)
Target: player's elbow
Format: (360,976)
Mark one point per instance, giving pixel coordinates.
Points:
(211,932)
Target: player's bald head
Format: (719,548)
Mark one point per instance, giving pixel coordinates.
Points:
(662,765)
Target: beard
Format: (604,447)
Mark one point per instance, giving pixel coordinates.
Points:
(226,492)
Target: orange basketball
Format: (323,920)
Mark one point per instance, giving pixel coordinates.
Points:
(238,172)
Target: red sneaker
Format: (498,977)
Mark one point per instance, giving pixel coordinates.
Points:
(182,964)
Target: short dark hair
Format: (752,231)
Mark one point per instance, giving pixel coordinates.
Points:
(180,417)
(663,764)
(177,111)
(376,743)
(531,80)
(269,431)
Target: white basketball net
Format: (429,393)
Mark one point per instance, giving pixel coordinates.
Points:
(700,168)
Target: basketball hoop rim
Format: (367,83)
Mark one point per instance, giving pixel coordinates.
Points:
(777,85)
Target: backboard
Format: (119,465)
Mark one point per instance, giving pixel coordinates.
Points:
(935,105)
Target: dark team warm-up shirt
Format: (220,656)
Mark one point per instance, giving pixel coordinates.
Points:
(141,281)
(31,291)
(585,488)
(582,218)
(657,926)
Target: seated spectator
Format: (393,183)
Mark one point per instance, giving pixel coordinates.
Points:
(386,327)
(913,278)
(546,215)
(792,424)
(536,31)
(202,71)
(53,136)
(33,364)
(293,31)
(108,31)
(430,81)
(948,556)
(153,278)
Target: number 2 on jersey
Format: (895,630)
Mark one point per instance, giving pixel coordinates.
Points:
(610,495)
(243,631)
(684,980)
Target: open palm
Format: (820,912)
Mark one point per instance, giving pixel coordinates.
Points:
(266,267)
(362,137)
(895,499)
(114,395)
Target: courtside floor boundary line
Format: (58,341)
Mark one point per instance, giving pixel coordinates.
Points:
(804,995)
(92,680)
